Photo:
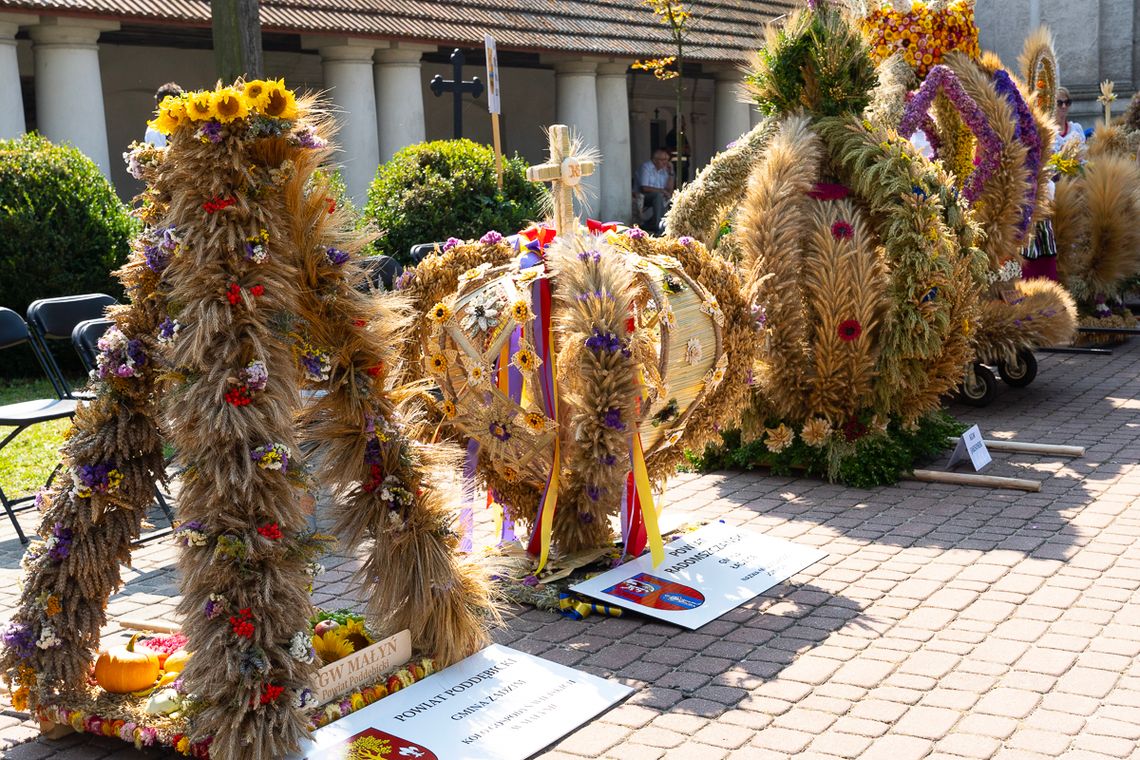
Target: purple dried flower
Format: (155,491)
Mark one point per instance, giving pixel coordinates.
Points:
(211,131)
(18,639)
(405,279)
(636,233)
(593,492)
(336,256)
(499,430)
(373,451)
(213,607)
(604,341)
(307,138)
(585,518)
(59,545)
(612,419)
(608,460)
(451,243)
(491,238)
(685,240)
(530,580)
(1025,130)
(594,256)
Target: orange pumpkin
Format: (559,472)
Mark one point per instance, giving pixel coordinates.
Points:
(125,669)
(176,661)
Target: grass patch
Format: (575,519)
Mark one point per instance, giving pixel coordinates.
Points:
(27,461)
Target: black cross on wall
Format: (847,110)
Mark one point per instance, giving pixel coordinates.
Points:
(456,86)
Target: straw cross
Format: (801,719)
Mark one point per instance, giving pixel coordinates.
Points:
(564,171)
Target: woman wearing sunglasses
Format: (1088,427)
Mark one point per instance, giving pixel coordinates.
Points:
(1067,130)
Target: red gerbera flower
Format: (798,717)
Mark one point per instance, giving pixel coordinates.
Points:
(850,329)
(842,230)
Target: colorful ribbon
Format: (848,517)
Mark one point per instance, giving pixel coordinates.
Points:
(644,495)
(594,227)
(578,608)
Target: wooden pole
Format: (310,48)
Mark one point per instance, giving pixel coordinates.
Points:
(236,28)
(1044,449)
(157,626)
(498,149)
(972,479)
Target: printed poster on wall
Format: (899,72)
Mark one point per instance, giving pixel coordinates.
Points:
(705,574)
(498,704)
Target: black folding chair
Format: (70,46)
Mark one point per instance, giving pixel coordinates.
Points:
(85,338)
(381,271)
(24,414)
(55,319)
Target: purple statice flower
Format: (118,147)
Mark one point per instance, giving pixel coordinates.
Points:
(157,258)
(585,518)
(118,355)
(18,639)
(167,329)
(214,606)
(606,341)
(336,256)
(271,456)
(307,138)
(942,79)
(609,460)
(491,238)
(450,243)
(593,492)
(636,233)
(1025,131)
(59,544)
(612,419)
(530,580)
(404,280)
(594,256)
(211,131)
(373,451)
(256,375)
(685,240)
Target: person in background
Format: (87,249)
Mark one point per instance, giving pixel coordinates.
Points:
(1066,130)
(153,136)
(655,179)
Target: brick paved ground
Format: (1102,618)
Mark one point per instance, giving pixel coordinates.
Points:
(946,623)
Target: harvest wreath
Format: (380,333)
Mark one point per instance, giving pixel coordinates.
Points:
(242,295)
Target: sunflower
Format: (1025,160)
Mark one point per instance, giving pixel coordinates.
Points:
(229,105)
(449,409)
(534,422)
(255,95)
(438,363)
(520,310)
(171,113)
(200,106)
(526,360)
(356,634)
(332,646)
(280,103)
(440,313)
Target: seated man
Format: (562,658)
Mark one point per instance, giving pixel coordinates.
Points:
(655,179)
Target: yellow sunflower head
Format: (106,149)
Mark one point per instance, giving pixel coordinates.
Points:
(525,360)
(535,422)
(280,103)
(171,113)
(449,410)
(332,646)
(440,313)
(520,310)
(200,106)
(438,363)
(255,94)
(229,105)
(356,634)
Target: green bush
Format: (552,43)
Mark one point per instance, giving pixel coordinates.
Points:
(62,228)
(432,191)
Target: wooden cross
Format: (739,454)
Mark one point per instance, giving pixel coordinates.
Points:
(456,86)
(564,172)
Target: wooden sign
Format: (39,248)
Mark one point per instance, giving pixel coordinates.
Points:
(362,668)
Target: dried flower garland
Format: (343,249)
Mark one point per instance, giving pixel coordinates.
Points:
(921,32)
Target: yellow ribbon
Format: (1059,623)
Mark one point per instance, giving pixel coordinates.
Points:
(645,497)
(546,524)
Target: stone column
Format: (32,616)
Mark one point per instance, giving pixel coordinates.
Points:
(69,90)
(732,118)
(347,67)
(576,105)
(11,101)
(399,96)
(613,138)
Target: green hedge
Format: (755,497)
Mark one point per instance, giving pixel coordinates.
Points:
(63,231)
(432,191)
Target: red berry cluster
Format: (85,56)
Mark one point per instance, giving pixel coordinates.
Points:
(270,531)
(238,396)
(332,204)
(217,203)
(375,477)
(242,624)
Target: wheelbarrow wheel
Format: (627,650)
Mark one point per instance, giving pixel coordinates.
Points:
(978,387)
(1021,371)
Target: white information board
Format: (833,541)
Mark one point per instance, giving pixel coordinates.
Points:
(705,574)
(971,446)
(498,704)
(492,73)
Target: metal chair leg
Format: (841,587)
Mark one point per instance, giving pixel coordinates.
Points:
(12,516)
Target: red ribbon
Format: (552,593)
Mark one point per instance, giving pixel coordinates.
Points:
(541,232)
(597,228)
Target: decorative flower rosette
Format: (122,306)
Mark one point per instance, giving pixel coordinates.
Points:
(923,32)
